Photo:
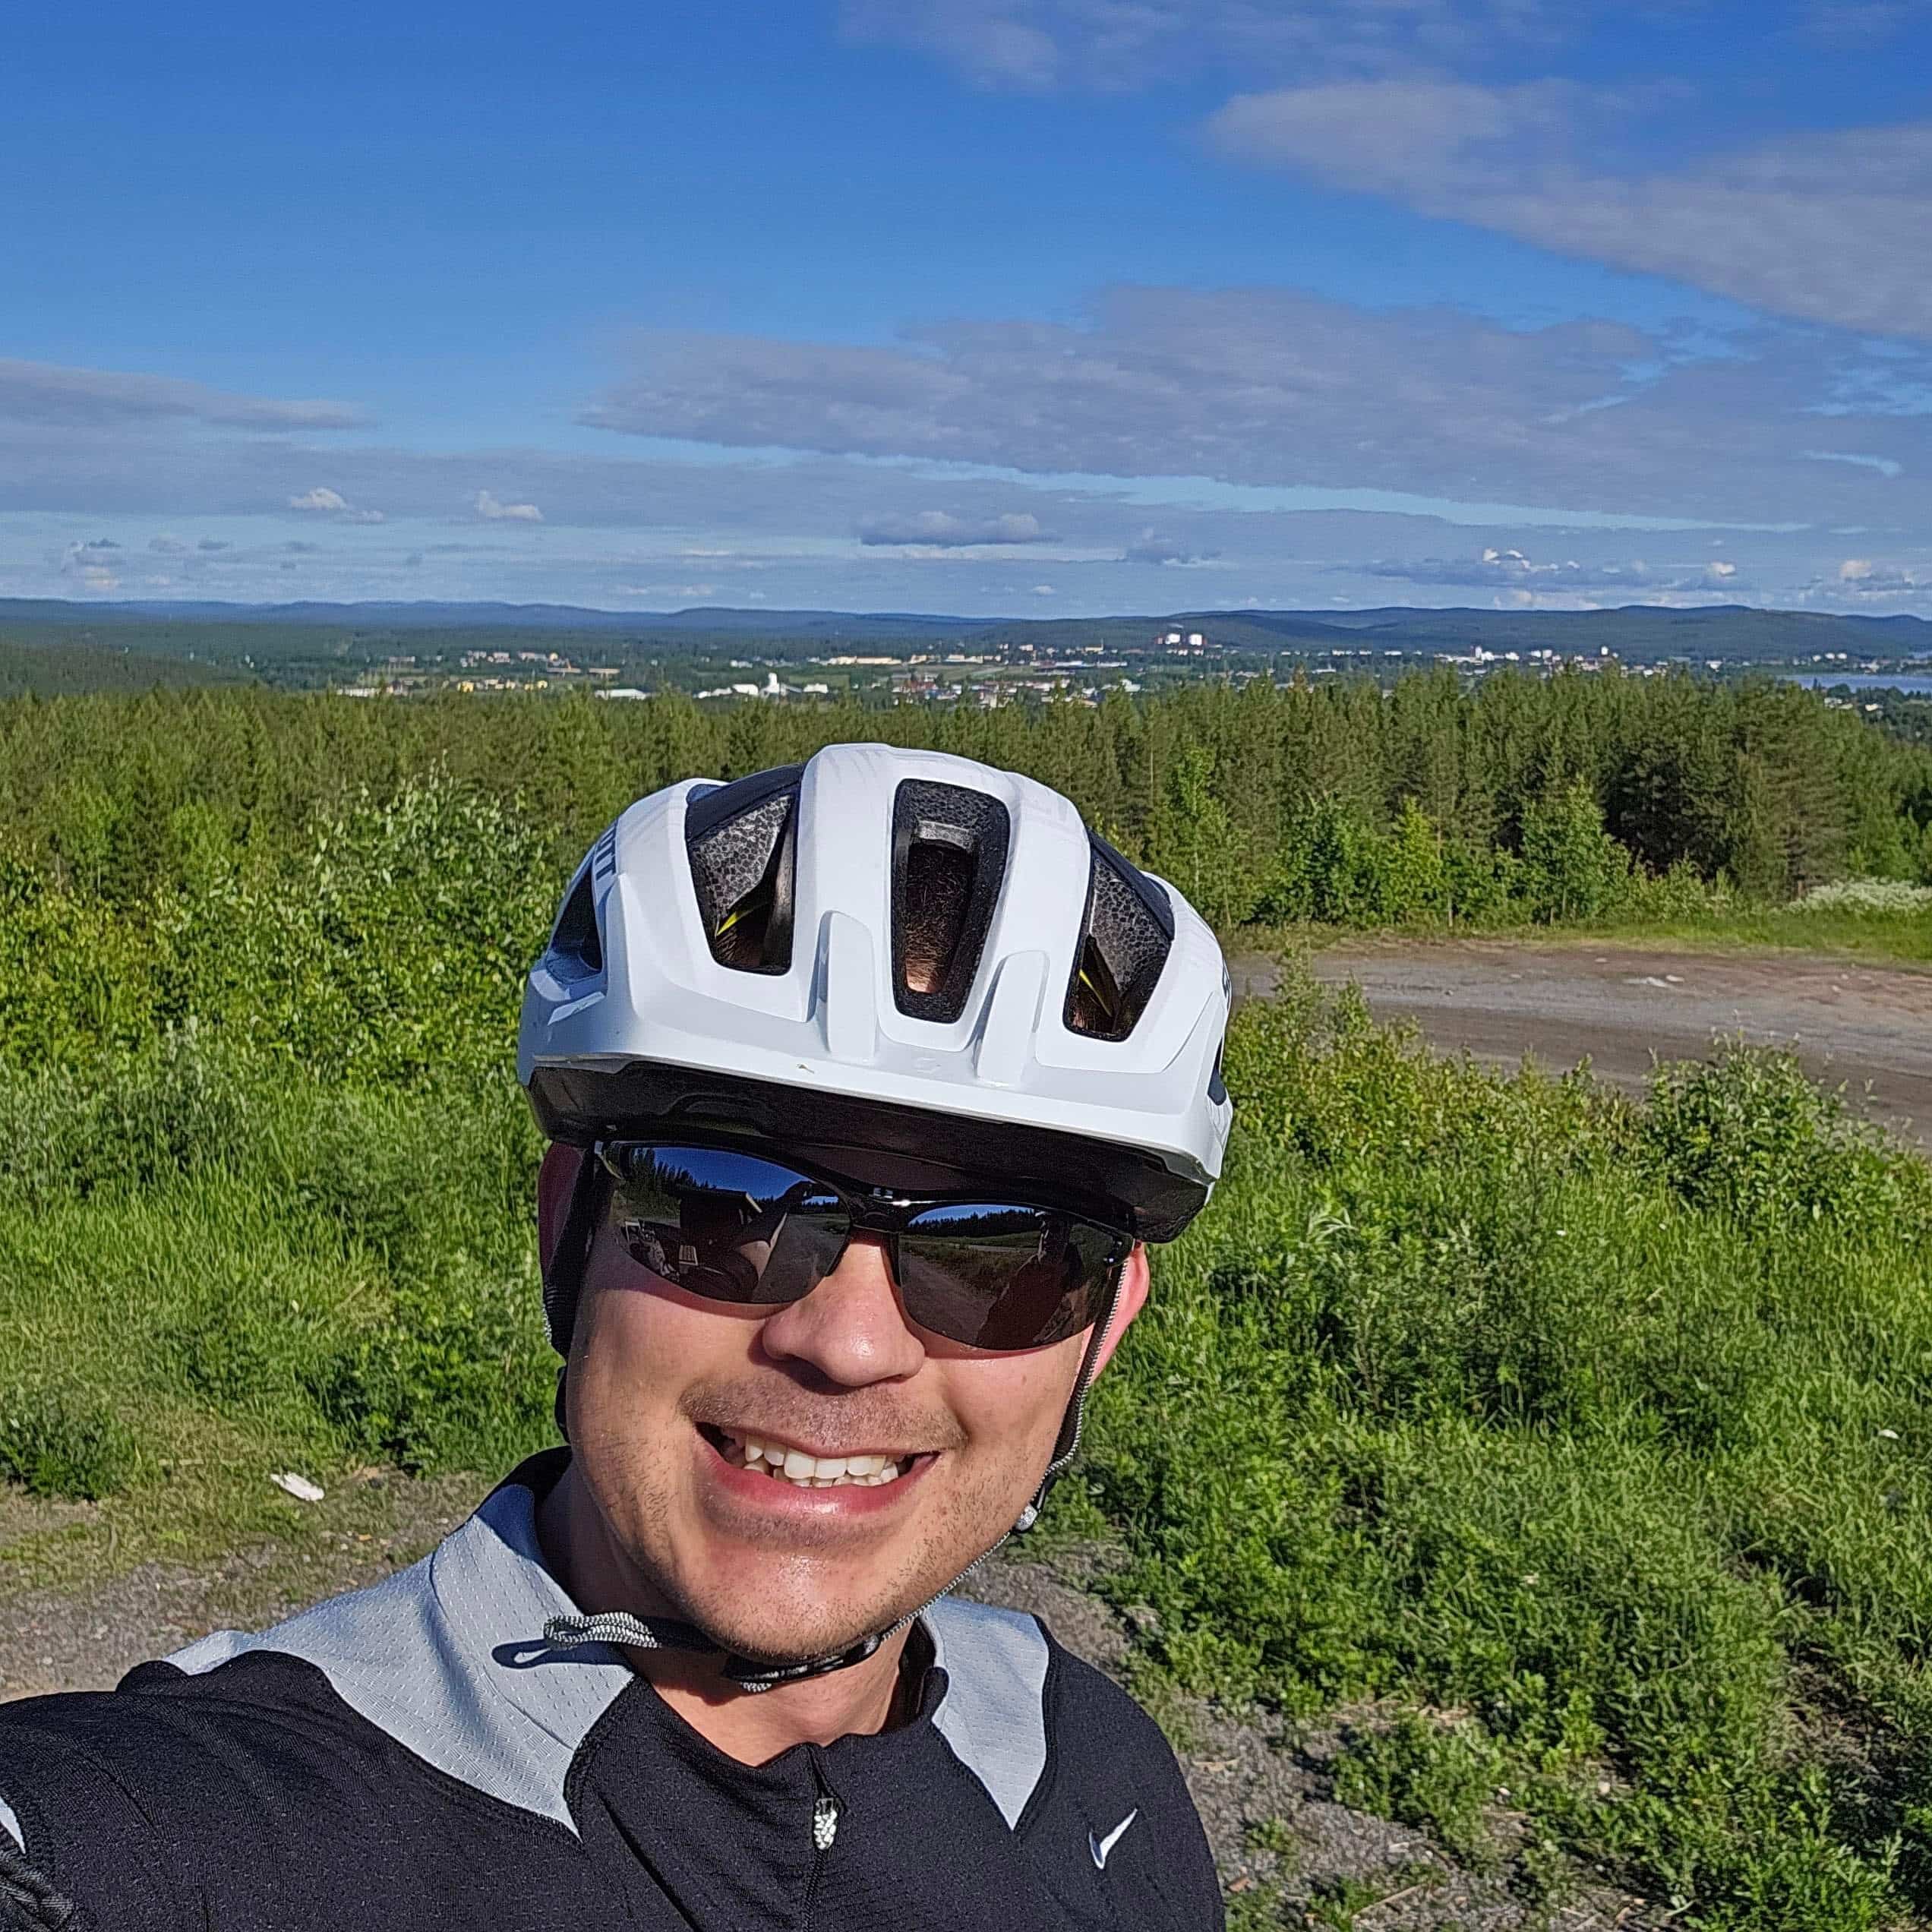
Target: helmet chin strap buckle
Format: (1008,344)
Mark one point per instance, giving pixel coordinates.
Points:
(620,1627)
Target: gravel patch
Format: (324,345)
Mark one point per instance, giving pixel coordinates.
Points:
(362,1532)
(1623,1007)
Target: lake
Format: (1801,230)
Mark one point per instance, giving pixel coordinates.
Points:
(1919,685)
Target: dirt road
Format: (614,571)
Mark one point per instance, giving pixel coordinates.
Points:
(1867,1026)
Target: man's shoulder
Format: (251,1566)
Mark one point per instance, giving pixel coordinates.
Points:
(98,1789)
(414,1712)
(1009,1674)
(1089,1778)
(399,1672)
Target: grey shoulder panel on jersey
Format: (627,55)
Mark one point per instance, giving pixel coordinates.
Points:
(11,1824)
(448,1658)
(993,1716)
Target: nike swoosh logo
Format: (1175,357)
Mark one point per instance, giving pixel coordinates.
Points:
(1102,1847)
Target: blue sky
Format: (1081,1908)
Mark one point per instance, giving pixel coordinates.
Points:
(1028,306)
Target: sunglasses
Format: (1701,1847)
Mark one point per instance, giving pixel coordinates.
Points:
(736,1227)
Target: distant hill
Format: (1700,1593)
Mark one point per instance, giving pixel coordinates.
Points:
(426,616)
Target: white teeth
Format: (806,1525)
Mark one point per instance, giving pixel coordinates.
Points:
(807,1472)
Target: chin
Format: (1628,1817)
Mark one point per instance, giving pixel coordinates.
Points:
(773,1614)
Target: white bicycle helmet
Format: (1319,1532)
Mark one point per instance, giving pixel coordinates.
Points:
(894,951)
(898,950)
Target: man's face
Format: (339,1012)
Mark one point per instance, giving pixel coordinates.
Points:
(666,1389)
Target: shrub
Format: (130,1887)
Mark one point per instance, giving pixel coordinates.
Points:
(1867,897)
(1572,868)
(1442,1774)
(1749,1134)
(394,943)
(1500,1396)
(460,1380)
(62,1442)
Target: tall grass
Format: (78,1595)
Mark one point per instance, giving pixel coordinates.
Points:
(246,1265)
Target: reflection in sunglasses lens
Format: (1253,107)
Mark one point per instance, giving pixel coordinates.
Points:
(735,1228)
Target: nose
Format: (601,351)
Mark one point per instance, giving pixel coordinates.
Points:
(850,1327)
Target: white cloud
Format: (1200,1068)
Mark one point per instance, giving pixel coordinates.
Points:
(1885,465)
(89,565)
(1828,226)
(1044,590)
(1875,580)
(1266,389)
(941,529)
(323,501)
(1151,546)
(1035,46)
(1524,578)
(488,508)
(1280,434)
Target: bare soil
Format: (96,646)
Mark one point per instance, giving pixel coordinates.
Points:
(1623,1008)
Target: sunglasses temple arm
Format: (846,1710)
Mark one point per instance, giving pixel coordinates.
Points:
(1067,1445)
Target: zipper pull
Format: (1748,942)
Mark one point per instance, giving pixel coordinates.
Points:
(824,1824)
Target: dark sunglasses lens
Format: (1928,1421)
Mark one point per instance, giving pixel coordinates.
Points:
(727,1225)
(1003,1277)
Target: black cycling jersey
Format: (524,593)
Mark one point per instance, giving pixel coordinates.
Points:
(416,1756)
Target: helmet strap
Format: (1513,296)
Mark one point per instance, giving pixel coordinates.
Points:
(1066,1445)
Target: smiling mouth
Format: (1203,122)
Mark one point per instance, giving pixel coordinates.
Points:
(803,1470)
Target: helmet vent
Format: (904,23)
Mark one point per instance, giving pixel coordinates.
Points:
(742,841)
(1125,939)
(576,950)
(948,861)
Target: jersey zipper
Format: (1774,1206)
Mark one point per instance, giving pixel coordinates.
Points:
(827,1813)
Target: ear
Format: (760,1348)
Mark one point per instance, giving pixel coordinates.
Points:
(1128,1302)
(556,1181)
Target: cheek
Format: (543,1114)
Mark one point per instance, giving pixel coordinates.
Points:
(634,1351)
(1013,1405)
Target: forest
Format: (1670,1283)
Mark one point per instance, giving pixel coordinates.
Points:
(1579,796)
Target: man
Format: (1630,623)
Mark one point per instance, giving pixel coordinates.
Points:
(866,1082)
